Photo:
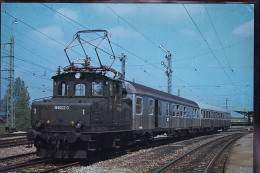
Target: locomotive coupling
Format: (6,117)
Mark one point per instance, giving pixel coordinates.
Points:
(32,134)
(72,137)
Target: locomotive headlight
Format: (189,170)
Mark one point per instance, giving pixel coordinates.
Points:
(40,123)
(72,123)
(48,121)
(78,125)
(77,75)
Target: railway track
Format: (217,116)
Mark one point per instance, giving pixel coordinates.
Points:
(201,158)
(24,165)
(218,162)
(52,165)
(4,135)
(13,142)
(16,156)
(40,165)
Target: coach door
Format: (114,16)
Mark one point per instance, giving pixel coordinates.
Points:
(156,112)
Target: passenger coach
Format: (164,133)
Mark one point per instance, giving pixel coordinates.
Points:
(159,112)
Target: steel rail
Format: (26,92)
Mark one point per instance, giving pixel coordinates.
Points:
(4,135)
(12,144)
(213,160)
(185,154)
(6,141)
(17,156)
(24,164)
(59,167)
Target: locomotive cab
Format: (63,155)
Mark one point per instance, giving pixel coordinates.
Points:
(87,85)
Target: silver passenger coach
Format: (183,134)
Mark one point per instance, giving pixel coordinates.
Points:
(159,112)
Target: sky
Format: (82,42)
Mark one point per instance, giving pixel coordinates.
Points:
(212,46)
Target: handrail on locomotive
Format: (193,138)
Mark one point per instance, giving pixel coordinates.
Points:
(86,64)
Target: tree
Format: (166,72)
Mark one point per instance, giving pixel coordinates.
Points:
(22,107)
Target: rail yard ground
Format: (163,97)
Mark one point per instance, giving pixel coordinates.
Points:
(240,158)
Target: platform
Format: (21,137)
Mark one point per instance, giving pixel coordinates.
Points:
(241,156)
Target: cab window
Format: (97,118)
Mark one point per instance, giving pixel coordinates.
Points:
(79,90)
(97,88)
(63,89)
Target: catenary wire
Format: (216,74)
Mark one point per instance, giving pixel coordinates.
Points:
(207,44)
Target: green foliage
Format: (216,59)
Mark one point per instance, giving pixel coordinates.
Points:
(22,107)
(2,128)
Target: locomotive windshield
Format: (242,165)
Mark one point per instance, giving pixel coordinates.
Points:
(97,88)
(80,89)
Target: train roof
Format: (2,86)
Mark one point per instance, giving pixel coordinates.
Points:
(210,107)
(134,88)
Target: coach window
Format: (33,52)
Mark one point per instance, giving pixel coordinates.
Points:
(185,111)
(173,111)
(79,90)
(139,105)
(191,112)
(167,109)
(181,110)
(177,110)
(151,105)
(97,88)
(196,113)
(63,89)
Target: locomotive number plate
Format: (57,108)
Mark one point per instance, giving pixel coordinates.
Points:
(62,107)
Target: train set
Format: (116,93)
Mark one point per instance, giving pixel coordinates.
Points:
(90,111)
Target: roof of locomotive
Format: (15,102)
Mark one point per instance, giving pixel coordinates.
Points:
(84,73)
(134,88)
